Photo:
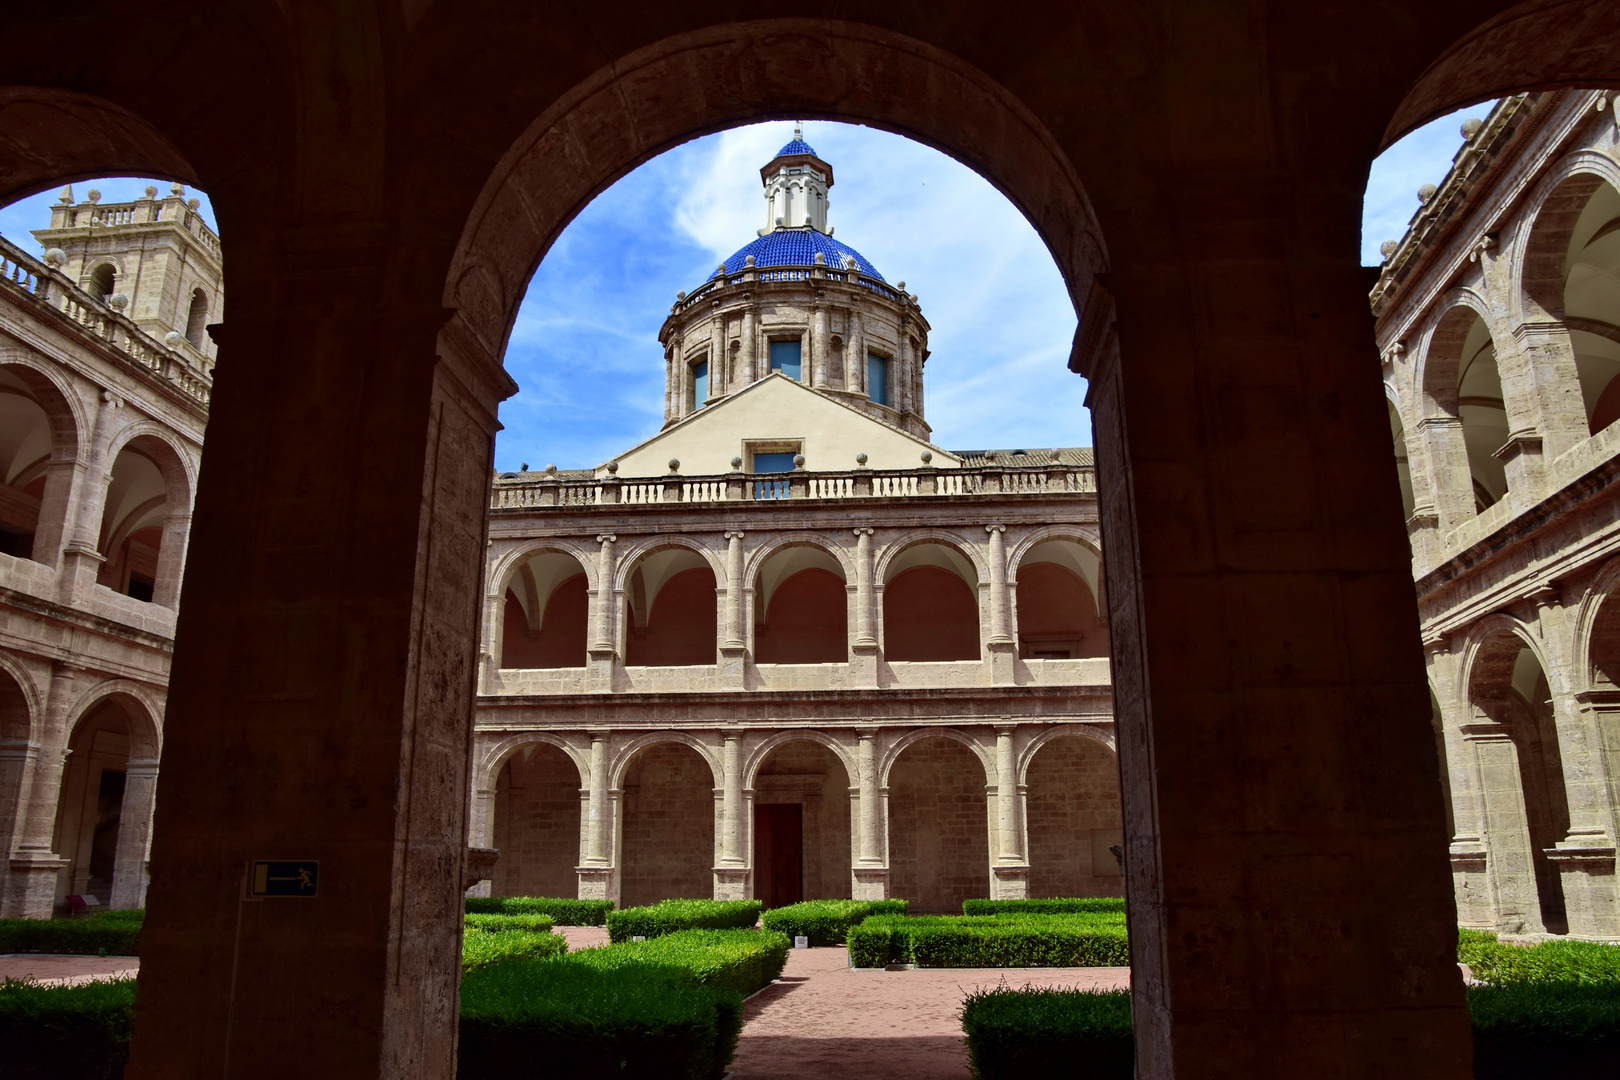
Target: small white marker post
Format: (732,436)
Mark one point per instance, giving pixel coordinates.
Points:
(801,942)
(638,937)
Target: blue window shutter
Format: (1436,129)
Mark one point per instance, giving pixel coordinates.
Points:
(700,384)
(785,356)
(877,378)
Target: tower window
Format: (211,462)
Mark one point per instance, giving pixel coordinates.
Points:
(877,378)
(101,281)
(197,319)
(785,357)
(700,383)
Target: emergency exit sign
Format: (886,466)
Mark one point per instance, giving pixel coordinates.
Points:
(285,878)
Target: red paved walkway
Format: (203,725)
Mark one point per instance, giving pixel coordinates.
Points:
(823,1021)
(66,970)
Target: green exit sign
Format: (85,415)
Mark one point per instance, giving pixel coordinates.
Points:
(285,877)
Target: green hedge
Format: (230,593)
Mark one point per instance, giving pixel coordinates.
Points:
(826,922)
(990,941)
(1550,962)
(1042,1032)
(537,924)
(549,1018)
(563,911)
(65,1032)
(669,916)
(1088,905)
(1548,1030)
(110,933)
(492,942)
(740,960)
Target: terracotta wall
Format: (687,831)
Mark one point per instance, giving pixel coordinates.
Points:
(929,614)
(1073,814)
(806,623)
(560,641)
(810,774)
(537,825)
(668,839)
(939,849)
(681,626)
(1057,614)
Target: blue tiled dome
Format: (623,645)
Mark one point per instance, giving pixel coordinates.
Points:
(798,247)
(797,146)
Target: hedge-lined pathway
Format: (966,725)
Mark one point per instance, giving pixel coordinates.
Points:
(56,970)
(823,1021)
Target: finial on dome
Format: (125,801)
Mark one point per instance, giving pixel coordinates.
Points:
(798,129)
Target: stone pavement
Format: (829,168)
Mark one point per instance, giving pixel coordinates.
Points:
(824,1021)
(54,969)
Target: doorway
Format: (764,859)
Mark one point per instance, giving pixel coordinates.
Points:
(779,853)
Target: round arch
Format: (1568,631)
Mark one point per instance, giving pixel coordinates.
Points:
(158,442)
(553,168)
(494,757)
(911,738)
(17,716)
(1440,348)
(650,545)
(944,537)
(778,739)
(1479,638)
(54,395)
(1596,597)
(144,715)
(506,566)
(1079,731)
(1549,220)
(620,762)
(757,558)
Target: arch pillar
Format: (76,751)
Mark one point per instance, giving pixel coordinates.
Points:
(597,822)
(863,650)
(134,835)
(1541,391)
(1009,854)
(731,875)
(35,866)
(1587,864)
(81,552)
(1510,866)
(1446,460)
(733,643)
(172,557)
(1000,645)
(603,655)
(870,868)
(18,760)
(1470,866)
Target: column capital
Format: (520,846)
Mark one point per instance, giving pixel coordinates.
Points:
(605,538)
(995,529)
(734,534)
(865,530)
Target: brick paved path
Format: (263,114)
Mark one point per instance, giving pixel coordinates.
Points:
(823,1021)
(66,970)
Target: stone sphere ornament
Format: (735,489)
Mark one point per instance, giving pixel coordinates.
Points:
(55,258)
(118,302)
(174,339)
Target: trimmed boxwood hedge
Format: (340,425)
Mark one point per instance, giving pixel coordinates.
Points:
(668,916)
(563,911)
(990,941)
(109,933)
(1083,905)
(826,922)
(490,939)
(1040,1032)
(65,1032)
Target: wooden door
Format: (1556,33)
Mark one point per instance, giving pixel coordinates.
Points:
(779,853)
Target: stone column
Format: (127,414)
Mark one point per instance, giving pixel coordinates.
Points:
(669,385)
(597,870)
(1010,869)
(1475,898)
(1541,391)
(134,835)
(871,871)
(750,346)
(18,759)
(31,884)
(717,353)
(864,649)
(1510,861)
(900,378)
(81,554)
(171,565)
(818,342)
(603,652)
(1000,648)
(733,634)
(855,351)
(731,876)
(1451,480)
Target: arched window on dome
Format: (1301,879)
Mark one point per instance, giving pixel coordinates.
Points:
(877,378)
(700,384)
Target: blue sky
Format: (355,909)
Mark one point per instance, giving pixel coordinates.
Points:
(585,348)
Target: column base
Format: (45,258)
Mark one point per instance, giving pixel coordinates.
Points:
(1471,885)
(733,672)
(31,886)
(1591,899)
(1009,882)
(732,882)
(600,670)
(863,666)
(595,882)
(1003,663)
(870,882)
(80,567)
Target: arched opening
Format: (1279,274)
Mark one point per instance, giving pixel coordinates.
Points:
(802,815)
(672,607)
(1570,267)
(667,846)
(1507,686)
(930,605)
(1438,719)
(38,443)
(1058,614)
(544,613)
(197,318)
(939,843)
(801,606)
(536,824)
(1463,385)
(90,809)
(1403,461)
(1072,806)
(100,282)
(16,726)
(131,538)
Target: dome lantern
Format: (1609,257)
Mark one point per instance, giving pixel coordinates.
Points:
(796,183)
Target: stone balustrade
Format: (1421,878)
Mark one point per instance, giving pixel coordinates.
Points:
(513,494)
(44,288)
